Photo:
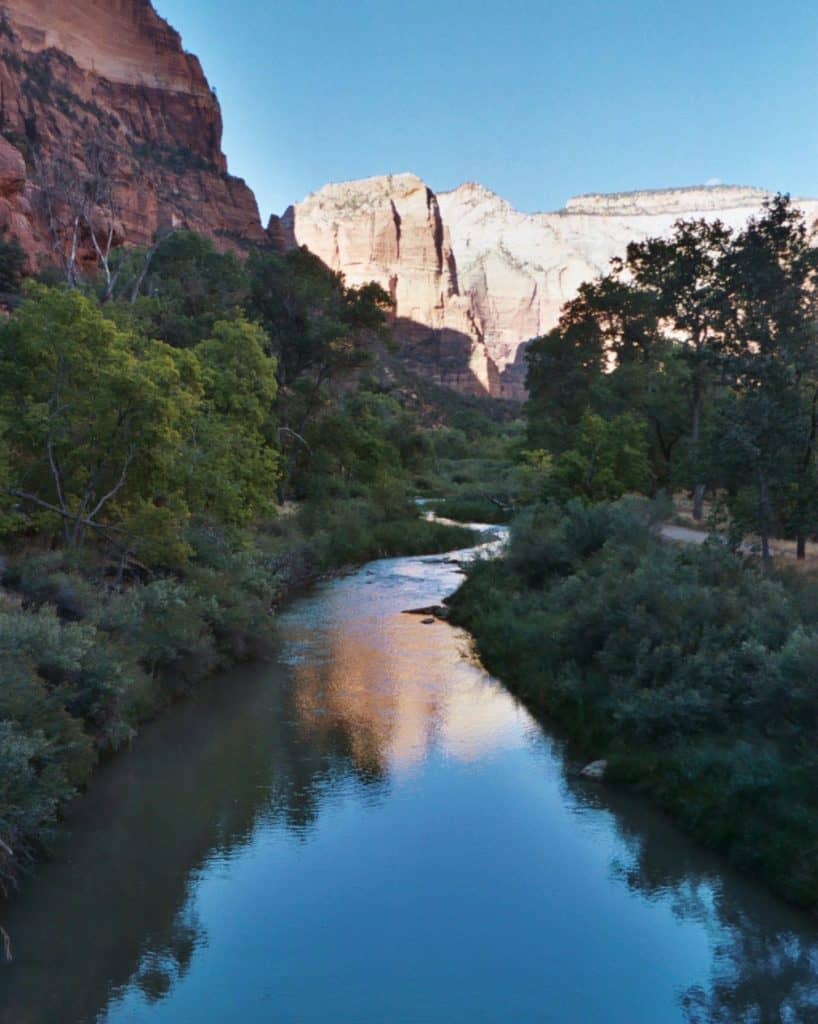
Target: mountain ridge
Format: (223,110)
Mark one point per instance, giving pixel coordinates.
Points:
(509,273)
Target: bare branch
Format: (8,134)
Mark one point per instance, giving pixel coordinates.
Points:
(295,434)
(116,488)
(35,500)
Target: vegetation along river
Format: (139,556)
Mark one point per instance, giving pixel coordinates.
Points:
(371,829)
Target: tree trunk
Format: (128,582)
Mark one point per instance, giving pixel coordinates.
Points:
(698,502)
(764,518)
(695,431)
(800,546)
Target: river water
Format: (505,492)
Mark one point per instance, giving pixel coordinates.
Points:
(372,830)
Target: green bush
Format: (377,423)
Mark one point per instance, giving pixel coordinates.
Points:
(695,675)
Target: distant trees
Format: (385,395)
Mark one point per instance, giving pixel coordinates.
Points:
(710,339)
(320,332)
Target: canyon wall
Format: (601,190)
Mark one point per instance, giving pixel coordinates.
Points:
(390,230)
(104,87)
(465,264)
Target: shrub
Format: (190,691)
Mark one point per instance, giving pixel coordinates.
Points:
(691,672)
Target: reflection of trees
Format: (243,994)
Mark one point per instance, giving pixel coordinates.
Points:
(193,791)
(268,746)
(764,955)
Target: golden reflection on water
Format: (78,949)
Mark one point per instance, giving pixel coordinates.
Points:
(398,689)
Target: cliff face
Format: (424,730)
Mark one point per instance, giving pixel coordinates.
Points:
(505,275)
(103,88)
(390,230)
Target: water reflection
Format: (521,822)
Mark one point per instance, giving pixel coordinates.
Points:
(372,829)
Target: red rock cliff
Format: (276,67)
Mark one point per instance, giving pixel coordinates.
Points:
(112,74)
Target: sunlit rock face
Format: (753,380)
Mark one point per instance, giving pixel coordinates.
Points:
(390,230)
(112,72)
(466,261)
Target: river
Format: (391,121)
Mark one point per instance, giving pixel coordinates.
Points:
(371,830)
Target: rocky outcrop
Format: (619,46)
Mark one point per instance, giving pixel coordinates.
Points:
(390,230)
(479,267)
(520,269)
(104,87)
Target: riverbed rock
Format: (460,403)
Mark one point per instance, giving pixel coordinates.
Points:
(595,770)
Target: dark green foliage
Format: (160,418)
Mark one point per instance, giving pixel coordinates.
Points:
(709,340)
(141,447)
(320,332)
(187,287)
(608,458)
(12,262)
(690,671)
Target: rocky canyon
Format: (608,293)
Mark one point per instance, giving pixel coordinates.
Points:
(473,279)
(100,95)
(101,107)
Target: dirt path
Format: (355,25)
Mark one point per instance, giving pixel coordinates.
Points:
(683,534)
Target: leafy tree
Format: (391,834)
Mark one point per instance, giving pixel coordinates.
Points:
(607,354)
(95,416)
(562,368)
(681,272)
(609,459)
(231,462)
(180,288)
(768,319)
(319,331)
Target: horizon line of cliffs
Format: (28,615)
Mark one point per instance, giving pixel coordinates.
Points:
(472,278)
(96,92)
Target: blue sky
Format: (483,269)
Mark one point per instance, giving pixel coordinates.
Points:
(538,101)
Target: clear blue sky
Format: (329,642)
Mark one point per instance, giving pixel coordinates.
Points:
(536,99)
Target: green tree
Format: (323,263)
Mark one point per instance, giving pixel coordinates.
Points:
(682,273)
(768,307)
(608,354)
(609,459)
(320,332)
(95,415)
(231,462)
(563,366)
(179,289)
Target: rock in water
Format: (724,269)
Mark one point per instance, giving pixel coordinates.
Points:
(595,770)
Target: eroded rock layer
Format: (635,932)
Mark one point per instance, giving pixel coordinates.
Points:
(390,230)
(96,87)
(466,265)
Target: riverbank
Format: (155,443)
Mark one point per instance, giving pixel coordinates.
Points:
(88,659)
(307,837)
(686,669)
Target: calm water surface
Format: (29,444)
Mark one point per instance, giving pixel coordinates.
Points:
(371,830)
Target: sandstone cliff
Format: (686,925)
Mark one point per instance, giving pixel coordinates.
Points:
(97,87)
(390,230)
(473,265)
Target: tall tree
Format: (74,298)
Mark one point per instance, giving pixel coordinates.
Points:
(320,332)
(682,273)
(768,316)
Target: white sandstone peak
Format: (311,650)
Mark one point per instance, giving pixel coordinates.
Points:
(474,279)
